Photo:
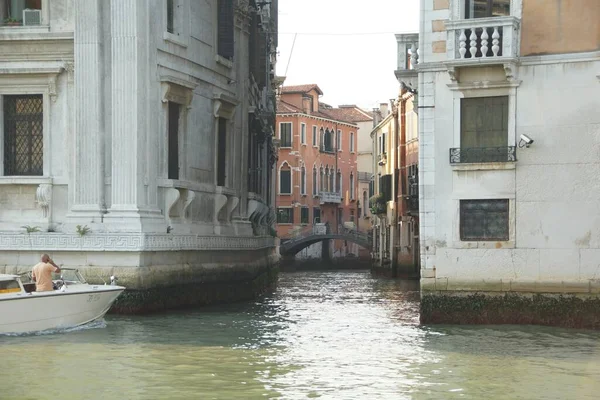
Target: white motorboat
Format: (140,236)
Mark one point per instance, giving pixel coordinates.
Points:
(74,302)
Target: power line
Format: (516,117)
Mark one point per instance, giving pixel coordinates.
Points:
(291,52)
(337,34)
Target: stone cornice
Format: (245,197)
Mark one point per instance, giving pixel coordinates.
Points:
(128,242)
(317,118)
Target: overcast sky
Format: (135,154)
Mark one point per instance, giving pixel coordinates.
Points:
(347,47)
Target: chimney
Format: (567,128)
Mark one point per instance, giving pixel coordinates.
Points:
(376,117)
(306,104)
(383,108)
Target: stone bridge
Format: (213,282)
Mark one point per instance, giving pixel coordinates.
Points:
(293,245)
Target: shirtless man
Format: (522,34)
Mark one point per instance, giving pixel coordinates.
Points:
(42,274)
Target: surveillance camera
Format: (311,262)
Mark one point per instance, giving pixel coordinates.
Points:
(525,141)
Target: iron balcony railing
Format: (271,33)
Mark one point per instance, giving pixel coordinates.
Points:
(364,176)
(483,155)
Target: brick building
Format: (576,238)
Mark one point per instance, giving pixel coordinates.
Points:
(317,173)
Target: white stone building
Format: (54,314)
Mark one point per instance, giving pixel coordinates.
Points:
(499,214)
(137,137)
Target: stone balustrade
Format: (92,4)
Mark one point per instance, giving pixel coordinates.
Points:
(330,197)
(483,38)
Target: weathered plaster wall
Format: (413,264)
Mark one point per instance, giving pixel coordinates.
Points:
(553,191)
(560,26)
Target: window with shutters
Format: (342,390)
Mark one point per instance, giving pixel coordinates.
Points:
(285,215)
(351,186)
(484,220)
(285,134)
(225,43)
(303,133)
(23,134)
(351,142)
(385,187)
(304,217)
(303,180)
(339,140)
(483,131)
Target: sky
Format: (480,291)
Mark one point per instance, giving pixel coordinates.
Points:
(347,47)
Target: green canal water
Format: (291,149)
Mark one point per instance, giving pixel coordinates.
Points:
(327,335)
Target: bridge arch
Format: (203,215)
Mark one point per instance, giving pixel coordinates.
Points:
(294,246)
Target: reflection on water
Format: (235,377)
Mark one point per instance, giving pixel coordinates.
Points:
(329,335)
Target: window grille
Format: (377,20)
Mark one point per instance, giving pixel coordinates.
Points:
(23,135)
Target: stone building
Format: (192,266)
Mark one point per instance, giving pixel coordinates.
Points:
(394,203)
(509,161)
(317,171)
(137,141)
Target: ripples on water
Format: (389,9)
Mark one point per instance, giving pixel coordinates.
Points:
(328,335)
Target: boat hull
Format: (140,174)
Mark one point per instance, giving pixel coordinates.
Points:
(33,312)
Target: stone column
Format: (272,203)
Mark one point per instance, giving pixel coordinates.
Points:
(130,83)
(88,184)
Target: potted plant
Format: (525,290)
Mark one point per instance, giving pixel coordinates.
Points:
(12,22)
(378,204)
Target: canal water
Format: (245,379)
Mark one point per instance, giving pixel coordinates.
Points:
(327,335)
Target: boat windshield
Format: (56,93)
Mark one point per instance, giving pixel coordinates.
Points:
(71,276)
(9,286)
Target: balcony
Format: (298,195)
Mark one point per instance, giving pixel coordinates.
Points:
(330,197)
(483,155)
(408,58)
(483,41)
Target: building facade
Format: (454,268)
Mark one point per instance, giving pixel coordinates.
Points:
(395,204)
(137,141)
(510,199)
(316,169)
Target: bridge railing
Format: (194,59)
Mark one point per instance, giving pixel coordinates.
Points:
(300,234)
(344,230)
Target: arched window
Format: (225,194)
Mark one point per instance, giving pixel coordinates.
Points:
(339,182)
(331,180)
(321,139)
(315,183)
(351,186)
(303,180)
(285,179)
(322,180)
(326,187)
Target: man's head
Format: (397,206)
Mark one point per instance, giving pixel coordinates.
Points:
(45,258)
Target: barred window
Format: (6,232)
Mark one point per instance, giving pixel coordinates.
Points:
(23,135)
(484,220)
(285,215)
